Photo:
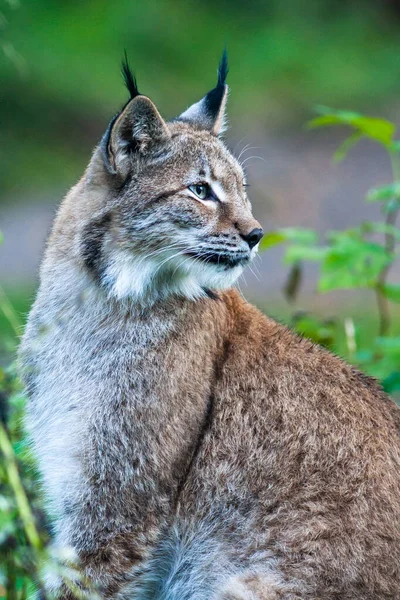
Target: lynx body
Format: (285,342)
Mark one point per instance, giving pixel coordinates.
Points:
(192,448)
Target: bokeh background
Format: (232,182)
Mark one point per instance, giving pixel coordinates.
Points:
(61,84)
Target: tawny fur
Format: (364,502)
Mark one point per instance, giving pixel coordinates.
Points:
(192,448)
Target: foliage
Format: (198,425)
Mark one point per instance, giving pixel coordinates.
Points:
(59,68)
(22,526)
(26,560)
(359,258)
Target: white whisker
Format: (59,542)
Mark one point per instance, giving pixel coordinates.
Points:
(167,259)
(157,252)
(254,273)
(250,158)
(243,151)
(238,144)
(247,149)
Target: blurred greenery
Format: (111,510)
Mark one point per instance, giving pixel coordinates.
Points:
(60,83)
(359,258)
(22,523)
(60,75)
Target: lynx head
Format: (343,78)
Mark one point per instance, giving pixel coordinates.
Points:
(176,219)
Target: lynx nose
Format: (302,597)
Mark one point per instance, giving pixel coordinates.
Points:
(253,237)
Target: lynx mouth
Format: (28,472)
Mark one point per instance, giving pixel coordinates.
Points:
(225,259)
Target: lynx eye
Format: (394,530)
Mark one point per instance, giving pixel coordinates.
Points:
(202,191)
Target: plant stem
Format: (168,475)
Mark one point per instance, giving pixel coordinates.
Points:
(11,588)
(390,245)
(9,312)
(24,509)
(350,332)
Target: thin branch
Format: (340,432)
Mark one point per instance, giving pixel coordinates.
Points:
(28,520)
(9,312)
(390,246)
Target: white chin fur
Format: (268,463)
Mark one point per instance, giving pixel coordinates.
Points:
(145,279)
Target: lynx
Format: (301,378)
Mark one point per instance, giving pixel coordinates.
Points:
(192,448)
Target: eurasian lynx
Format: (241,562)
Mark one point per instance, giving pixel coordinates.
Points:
(192,448)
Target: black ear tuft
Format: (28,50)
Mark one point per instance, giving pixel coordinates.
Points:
(129,78)
(223,69)
(209,112)
(213,99)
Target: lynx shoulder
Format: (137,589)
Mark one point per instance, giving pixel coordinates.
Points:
(190,447)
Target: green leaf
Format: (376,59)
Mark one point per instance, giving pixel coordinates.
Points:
(364,356)
(299,252)
(384,192)
(392,205)
(272,239)
(396,146)
(389,345)
(330,116)
(342,151)
(391,383)
(386,228)
(322,332)
(391,291)
(379,130)
(300,235)
(288,234)
(351,262)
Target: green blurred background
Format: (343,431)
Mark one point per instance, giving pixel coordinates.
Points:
(60,85)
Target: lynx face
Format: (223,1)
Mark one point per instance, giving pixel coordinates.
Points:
(178,219)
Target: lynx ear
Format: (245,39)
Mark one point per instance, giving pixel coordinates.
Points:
(209,112)
(133,130)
